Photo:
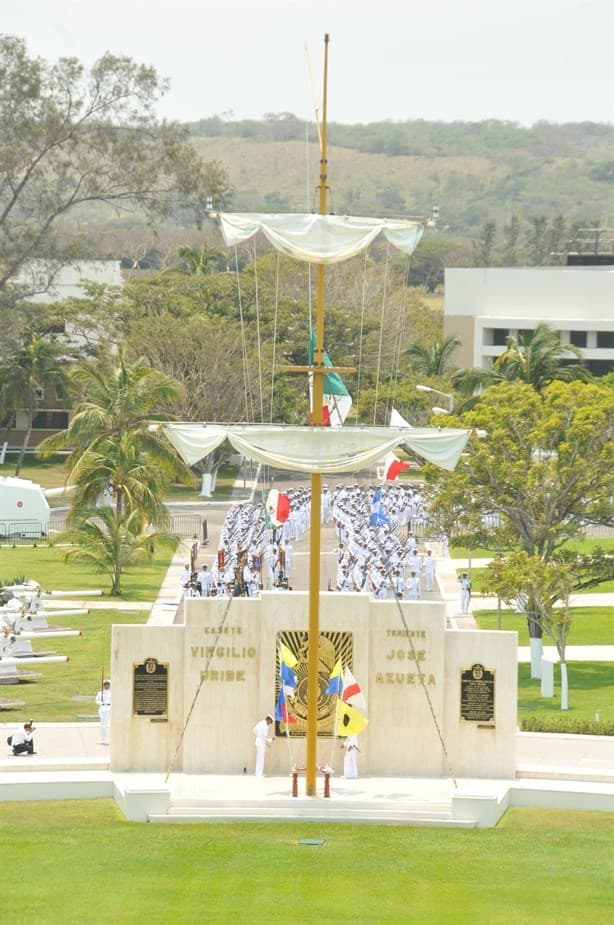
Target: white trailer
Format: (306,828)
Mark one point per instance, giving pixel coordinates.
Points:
(24,511)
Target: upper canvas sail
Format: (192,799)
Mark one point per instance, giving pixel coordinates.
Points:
(322,239)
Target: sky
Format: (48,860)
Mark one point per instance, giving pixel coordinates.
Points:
(445,60)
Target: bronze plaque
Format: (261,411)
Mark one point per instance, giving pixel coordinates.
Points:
(150,690)
(478,695)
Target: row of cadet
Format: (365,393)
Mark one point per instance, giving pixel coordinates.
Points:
(252,555)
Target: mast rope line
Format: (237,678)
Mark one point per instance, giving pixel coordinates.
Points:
(205,671)
(249,411)
(362,327)
(274,338)
(421,676)
(394,375)
(257,296)
(381,331)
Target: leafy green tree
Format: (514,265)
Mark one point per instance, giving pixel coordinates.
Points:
(39,365)
(434,360)
(548,584)
(544,471)
(109,435)
(483,248)
(536,357)
(110,540)
(71,137)
(200,261)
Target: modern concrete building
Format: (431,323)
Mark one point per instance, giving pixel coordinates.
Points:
(67,282)
(484,307)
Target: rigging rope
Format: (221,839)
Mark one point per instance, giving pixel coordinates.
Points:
(258,331)
(249,412)
(362,326)
(421,677)
(274,338)
(394,375)
(381,332)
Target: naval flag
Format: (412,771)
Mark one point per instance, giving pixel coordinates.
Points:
(393,466)
(277,506)
(348,721)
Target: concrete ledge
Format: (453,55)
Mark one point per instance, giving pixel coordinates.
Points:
(483,809)
(532,794)
(47,786)
(139,804)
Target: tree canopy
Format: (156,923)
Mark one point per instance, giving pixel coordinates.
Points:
(72,137)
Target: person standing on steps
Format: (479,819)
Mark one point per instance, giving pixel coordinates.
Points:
(103,699)
(261,732)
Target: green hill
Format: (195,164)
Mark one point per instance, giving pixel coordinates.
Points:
(475,172)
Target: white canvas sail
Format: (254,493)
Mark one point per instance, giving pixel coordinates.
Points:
(317,449)
(323,239)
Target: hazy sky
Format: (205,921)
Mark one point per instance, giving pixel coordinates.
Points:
(522,60)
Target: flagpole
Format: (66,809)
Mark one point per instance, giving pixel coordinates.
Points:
(316,479)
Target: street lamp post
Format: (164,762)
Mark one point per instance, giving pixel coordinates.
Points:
(450,398)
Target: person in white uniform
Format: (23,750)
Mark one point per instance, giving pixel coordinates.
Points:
(350,757)
(261,732)
(103,699)
(465,594)
(430,568)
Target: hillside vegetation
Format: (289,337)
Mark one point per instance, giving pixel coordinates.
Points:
(475,172)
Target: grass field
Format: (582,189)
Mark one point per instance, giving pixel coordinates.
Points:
(590,626)
(46,565)
(51,473)
(81,862)
(591,690)
(65,692)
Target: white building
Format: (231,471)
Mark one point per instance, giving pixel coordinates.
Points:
(483,307)
(50,287)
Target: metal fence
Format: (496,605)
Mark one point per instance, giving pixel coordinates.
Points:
(23,532)
(37,532)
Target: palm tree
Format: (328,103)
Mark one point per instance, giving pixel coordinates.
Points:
(134,478)
(200,261)
(433,361)
(110,441)
(536,357)
(39,365)
(110,540)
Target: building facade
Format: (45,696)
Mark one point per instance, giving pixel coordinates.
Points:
(483,307)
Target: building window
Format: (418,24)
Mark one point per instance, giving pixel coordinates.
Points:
(500,336)
(50,420)
(605,340)
(577,338)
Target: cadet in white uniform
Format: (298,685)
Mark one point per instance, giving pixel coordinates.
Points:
(350,758)
(430,567)
(261,731)
(103,699)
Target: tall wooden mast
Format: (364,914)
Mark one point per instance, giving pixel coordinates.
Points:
(316,478)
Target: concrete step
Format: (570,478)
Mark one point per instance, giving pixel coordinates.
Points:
(320,810)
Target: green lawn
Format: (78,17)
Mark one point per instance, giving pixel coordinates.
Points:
(581,545)
(51,473)
(46,565)
(590,626)
(81,862)
(477,584)
(591,690)
(64,693)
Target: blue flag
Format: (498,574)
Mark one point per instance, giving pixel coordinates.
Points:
(377,514)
